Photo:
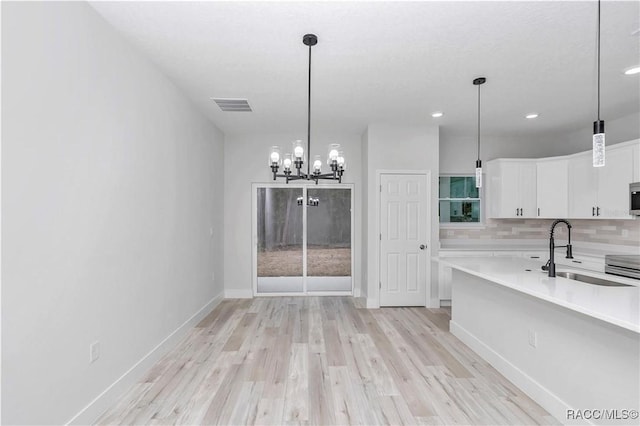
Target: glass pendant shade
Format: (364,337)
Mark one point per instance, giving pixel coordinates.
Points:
(334,151)
(598,143)
(478,174)
(298,150)
(286,163)
(274,156)
(317,164)
(341,161)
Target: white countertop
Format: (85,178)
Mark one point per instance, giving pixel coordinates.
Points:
(616,305)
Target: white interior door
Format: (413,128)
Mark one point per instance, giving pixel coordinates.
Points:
(404,216)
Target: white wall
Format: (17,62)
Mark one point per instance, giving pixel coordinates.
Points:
(246,162)
(398,147)
(458,153)
(618,130)
(364,290)
(111,182)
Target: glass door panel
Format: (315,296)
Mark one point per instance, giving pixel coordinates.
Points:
(329,240)
(280,241)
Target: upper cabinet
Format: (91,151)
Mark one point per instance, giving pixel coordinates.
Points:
(564,187)
(552,176)
(511,188)
(601,192)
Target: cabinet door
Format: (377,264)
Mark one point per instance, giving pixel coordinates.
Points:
(552,179)
(582,187)
(613,183)
(527,189)
(509,188)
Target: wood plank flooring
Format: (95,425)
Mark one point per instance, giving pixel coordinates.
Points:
(323,361)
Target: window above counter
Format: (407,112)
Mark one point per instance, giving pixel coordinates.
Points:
(459,201)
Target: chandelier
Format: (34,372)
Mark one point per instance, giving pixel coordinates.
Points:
(335,157)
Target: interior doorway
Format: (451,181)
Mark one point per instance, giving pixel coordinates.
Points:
(404,224)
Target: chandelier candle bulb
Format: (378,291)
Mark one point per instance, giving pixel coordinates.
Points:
(287,161)
(317,164)
(333,153)
(274,156)
(298,150)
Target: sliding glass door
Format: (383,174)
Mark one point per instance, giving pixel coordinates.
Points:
(329,240)
(302,247)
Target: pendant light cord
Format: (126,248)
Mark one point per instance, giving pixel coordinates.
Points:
(309,119)
(598,60)
(478,122)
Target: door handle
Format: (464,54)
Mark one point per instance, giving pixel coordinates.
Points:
(422,246)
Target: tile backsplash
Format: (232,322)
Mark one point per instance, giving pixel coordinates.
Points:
(619,232)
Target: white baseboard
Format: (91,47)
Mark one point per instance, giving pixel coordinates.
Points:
(549,401)
(90,413)
(234,293)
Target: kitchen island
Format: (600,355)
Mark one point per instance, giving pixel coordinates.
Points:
(570,345)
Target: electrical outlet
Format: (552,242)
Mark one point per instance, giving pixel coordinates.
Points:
(94,352)
(533,339)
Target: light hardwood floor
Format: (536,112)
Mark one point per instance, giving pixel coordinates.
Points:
(323,361)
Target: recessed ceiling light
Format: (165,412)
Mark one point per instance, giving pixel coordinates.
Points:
(631,71)
(532,115)
(437,114)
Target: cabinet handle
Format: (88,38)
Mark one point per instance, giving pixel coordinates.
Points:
(521,211)
(593,211)
(517,212)
(597,211)
(538,211)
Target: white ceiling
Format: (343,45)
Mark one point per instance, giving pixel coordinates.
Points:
(393,61)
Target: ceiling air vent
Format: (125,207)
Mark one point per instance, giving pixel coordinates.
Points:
(233,105)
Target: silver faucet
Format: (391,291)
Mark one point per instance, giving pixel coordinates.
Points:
(551,264)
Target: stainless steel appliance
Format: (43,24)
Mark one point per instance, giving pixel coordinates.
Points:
(623,265)
(634,199)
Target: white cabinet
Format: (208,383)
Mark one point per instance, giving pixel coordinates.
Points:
(511,188)
(601,192)
(552,177)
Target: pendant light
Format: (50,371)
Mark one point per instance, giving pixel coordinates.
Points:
(478,81)
(598,126)
(335,156)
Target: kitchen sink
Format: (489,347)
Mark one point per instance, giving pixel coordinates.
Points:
(590,280)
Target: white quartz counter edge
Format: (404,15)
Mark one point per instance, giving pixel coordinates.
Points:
(531,280)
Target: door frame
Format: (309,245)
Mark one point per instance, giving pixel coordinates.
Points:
(254,237)
(378,191)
